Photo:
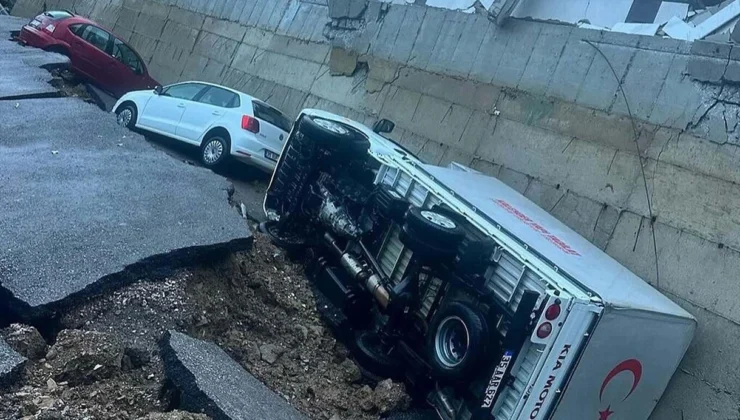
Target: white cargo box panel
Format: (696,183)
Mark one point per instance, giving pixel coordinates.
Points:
(554,241)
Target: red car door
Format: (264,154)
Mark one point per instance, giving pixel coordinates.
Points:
(91,56)
(129,70)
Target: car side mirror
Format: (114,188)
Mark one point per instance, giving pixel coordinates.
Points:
(384,126)
(158,90)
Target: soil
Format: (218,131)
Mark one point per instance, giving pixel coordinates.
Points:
(70,85)
(257,305)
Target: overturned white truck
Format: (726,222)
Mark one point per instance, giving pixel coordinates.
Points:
(487,306)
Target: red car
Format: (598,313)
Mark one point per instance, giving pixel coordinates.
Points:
(95,52)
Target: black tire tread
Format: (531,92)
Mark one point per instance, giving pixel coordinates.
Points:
(477,331)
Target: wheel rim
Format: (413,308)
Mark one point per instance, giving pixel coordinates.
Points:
(331,126)
(439,219)
(452,341)
(213,151)
(124,117)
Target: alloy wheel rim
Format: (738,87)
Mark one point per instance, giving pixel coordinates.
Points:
(213,151)
(331,126)
(124,117)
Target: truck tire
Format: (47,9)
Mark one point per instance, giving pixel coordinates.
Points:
(431,235)
(292,243)
(426,250)
(371,355)
(334,136)
(456,341)
(434,226)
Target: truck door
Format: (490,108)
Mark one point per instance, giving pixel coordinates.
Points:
(554,367)
(625,366)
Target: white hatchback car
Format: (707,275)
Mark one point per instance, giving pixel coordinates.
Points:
(223,122)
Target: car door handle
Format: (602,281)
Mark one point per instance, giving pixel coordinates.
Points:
(181,105)
(216,112)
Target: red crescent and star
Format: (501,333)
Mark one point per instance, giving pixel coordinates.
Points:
(633,366)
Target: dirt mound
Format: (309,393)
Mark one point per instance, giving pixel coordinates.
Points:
(256,305)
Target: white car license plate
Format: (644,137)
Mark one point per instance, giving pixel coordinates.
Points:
(271,155)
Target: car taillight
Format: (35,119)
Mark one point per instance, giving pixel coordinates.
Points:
(553,311)
(250,124)
(50,28)
(544,330)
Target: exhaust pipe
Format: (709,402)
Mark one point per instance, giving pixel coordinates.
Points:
(360,273)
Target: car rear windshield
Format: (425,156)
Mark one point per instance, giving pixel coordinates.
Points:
(271,115)
(58,14)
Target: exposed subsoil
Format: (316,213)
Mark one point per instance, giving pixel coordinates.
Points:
(256,305)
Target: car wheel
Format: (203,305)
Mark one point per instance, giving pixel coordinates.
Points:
(456,341)
(214,152)
(126,116)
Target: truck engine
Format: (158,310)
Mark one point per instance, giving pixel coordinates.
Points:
(408,282)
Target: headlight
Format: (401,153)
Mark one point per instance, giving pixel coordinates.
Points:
(50,28)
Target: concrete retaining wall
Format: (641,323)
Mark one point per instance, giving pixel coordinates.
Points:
(532,104)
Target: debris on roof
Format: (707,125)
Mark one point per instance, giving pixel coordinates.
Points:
(681,19)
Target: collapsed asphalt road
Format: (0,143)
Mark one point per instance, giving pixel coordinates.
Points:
(85,199)
(23,71)
(85,202)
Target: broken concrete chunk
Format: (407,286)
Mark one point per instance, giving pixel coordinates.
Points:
(350,371)
(390,396)
(270,353)
(211,382)
(11,364)
(342,62)
(26,340)
(82,357)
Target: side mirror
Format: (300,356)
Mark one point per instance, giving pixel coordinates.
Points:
(384,126)
(158,90)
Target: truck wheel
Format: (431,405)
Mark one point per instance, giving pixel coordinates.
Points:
(431,235)
(374,356)
(334,136)
(290,243)
(434,226)
(456,341)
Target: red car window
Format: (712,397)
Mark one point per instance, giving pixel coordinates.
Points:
(77,28)
(96,36)
(127,56)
